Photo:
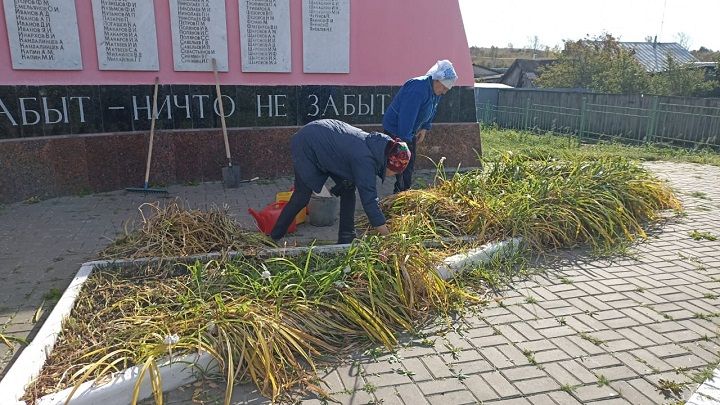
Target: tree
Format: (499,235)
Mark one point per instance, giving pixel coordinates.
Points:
(680,80)
(598,64)
(683,39)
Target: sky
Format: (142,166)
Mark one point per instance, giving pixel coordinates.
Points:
(517,22)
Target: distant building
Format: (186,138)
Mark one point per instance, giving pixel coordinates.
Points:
(653,56)
(485,74)
(523,72)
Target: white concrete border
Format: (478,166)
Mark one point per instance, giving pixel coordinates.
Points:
(709,392)
(174,372)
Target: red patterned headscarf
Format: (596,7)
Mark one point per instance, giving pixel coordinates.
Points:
(399,156)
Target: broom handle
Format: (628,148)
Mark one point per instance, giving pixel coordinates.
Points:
(222,112)
(152,131)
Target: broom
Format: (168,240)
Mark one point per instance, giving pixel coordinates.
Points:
(146,188)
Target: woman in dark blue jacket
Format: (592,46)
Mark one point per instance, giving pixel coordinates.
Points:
(352,158)
(413,109)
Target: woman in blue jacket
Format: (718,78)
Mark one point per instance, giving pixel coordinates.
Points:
(352,158)
(413,109)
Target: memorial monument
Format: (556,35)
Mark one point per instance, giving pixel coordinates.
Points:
(76,84)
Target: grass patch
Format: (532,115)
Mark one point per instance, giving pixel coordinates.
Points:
(697,235)
(569,388)
(670,387)
(530,356)
(496,141)
(53,294)
(602,381)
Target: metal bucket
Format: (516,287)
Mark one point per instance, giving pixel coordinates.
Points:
(321,210)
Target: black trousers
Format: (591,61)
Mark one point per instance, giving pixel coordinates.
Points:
(300,199)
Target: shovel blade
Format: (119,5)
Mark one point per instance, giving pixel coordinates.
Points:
(231,176)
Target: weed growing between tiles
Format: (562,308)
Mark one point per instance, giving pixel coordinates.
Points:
(269,321)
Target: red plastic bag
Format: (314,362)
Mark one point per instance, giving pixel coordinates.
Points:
(268,216)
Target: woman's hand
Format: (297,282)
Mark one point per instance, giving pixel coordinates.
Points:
(383,230)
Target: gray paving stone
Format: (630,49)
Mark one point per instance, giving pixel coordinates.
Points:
(579,370)
(387,379)
(588,393)
(536,385)
(629,392)
(411,394)
(437,367)
(441,386)
(387,396)
(501,385)
(563,398)
(480,388)
(496,357)
(513,401)
(537,345)
(648,390)
(523,373)
(621,372)
(599,361)
(637,338)
(455,397)
(472,367)
(557,331)
(551,356)
(585,346)
(417,367)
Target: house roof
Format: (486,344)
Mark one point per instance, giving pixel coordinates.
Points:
(523,71)
(653,56)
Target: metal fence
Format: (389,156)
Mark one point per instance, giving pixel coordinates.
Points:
(675,121)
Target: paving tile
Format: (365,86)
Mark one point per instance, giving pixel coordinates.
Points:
(441,386)
(557,331)
(536,385)
(386,396)
(563,398)
(417,367)
(523,373)
(551,356)
(621,372)
(588,393)
(541,399)
(480,388)
(579,370)
(437,367)
(599,361)
(455,397)
(411,394)
(648,390)
(500,384)
(562,375)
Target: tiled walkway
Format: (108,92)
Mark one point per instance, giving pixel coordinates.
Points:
(592,331)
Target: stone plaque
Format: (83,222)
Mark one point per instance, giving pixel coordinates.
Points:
(43,34)
(125,34)
(199,34)
(265,35)
(326,36)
